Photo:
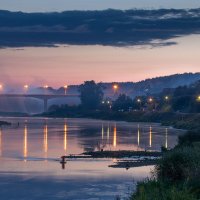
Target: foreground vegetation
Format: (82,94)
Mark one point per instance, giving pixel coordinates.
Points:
(177,175)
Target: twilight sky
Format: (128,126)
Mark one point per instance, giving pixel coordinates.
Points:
(115,45)
(60,5)
(74,64)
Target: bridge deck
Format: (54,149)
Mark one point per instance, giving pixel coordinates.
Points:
(40,96)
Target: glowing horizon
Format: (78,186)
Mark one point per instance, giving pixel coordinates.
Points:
(73,65)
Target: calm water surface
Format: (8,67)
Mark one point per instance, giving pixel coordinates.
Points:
(30,152)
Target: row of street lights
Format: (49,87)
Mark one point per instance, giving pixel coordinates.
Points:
(26,87)
(115,88)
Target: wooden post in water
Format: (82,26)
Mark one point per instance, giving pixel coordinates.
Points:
(63,162)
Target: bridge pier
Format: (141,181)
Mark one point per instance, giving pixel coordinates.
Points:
(45,105)
(43,97)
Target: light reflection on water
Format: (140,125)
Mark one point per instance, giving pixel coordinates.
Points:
(0,142)
(25,143)
(45,140)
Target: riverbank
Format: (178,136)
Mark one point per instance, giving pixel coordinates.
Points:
(188,121)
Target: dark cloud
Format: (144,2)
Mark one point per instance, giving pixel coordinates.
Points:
(109,27)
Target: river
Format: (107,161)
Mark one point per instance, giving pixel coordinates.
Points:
(30,150)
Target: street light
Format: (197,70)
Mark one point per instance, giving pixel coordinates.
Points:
(198,98)
(115,87)
(166,98)
(139,102)
(109,103)
(65,88)
(46,86)
(1,87)
(26,87)
(150,100)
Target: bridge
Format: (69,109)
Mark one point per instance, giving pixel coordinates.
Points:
(43,97)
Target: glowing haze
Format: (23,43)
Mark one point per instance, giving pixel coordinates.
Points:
(75,64)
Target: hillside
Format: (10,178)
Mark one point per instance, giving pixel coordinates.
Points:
(148,86)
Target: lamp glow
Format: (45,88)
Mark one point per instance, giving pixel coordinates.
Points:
(150,99)
(115,87)
(166,98)
(26,86)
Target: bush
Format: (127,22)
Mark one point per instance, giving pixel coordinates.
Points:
(179,164)
(157,190)
(189,138)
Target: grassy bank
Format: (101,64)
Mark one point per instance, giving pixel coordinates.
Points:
(177,175)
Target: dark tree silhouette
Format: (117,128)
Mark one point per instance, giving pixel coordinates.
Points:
(123,102)
(91,95)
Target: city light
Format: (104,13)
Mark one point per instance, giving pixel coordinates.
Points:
(103,102)
(198,98)
(46,86)
(108,102)
(115,87)
(150,99)
(166,98)
(1,86)
(65,88)
(26,87)
(139,100)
